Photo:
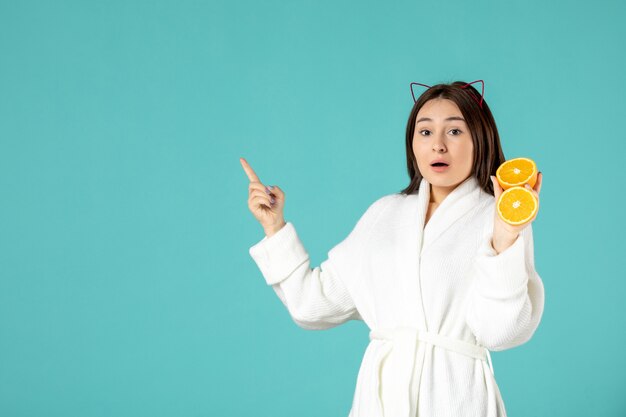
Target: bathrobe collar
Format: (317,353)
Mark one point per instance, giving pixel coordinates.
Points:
(460,200)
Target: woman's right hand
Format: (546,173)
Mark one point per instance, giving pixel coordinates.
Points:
(266,204)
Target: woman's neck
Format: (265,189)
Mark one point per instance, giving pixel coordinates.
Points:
(438,194)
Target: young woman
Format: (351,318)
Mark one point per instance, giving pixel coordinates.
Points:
(433,271)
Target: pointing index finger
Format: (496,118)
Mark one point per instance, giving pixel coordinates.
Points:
(249,171)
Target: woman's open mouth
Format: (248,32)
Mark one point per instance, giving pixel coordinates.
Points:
(439,167)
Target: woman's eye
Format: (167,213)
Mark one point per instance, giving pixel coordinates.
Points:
(453,130)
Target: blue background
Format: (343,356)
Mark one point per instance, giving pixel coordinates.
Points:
(126,285)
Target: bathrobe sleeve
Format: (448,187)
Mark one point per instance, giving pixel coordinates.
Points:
(317,297)
(507,294)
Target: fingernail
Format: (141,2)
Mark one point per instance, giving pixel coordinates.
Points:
(272,200)
(267,190)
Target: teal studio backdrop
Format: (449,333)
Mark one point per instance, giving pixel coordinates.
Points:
(126,284)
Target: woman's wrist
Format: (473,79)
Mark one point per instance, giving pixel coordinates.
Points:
(269,231)
(501,241)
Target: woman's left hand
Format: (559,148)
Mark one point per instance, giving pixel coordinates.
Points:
(504,234)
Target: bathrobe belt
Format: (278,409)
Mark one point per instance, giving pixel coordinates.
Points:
(407,365)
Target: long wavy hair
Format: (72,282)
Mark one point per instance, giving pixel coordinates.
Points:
(487,153)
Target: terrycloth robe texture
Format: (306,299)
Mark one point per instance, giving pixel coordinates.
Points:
(436,299)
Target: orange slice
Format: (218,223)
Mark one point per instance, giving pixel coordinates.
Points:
(517,205)
(517,172)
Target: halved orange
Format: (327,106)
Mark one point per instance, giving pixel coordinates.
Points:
(517,172)
(517,205)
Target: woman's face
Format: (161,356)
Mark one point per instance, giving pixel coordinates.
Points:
(441,133)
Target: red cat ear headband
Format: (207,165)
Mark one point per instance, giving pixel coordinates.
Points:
(480,103)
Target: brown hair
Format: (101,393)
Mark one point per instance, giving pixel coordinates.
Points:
(488,153)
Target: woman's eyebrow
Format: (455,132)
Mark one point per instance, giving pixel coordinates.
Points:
(427,119)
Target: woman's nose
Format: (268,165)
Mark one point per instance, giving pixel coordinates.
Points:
(438,144)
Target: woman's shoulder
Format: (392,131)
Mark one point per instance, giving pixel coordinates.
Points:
(485,197)
(485,211)
(388,198)
(376,208)
(486,203)
(384,202)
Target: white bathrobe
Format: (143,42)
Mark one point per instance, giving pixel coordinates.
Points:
(436,299)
